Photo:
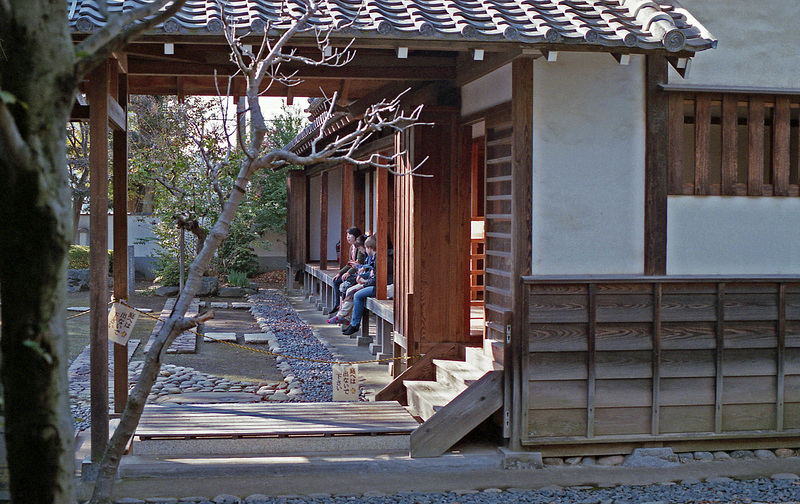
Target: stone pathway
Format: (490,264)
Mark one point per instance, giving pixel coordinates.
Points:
(186,342)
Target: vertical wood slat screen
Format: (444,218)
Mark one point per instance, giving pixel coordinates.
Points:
(734,144)
(497,225)
(667,358)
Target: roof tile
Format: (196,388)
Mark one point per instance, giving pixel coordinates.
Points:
(646,24)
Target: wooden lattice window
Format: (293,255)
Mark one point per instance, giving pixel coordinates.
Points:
(734,144)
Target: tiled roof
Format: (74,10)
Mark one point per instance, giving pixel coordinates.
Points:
(644,24)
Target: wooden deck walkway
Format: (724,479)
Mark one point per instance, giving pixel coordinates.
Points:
(261,428)
(194,421)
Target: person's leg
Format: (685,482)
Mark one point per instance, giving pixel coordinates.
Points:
(336,286)
(359,302)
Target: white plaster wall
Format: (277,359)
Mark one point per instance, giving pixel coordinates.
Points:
(490,90)
(588,165)
(717,235)
(313,218)
(757,44)
(139,227)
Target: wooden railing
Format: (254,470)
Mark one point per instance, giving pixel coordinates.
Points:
(733,144)
(690,362)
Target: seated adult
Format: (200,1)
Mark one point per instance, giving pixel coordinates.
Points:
(360,297)
(356,258)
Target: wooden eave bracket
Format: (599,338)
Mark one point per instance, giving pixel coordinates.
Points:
(682,65)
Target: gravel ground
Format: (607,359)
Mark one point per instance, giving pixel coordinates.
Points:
(773,490)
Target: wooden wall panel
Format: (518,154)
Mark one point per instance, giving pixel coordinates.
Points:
(650,358)
(497,225)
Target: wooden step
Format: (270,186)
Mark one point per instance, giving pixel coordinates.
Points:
(456,374)
(478,358)
(455,420)
(426,397)
(495,349)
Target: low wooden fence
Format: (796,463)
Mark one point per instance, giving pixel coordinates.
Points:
(693,363)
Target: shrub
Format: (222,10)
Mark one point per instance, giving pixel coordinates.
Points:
(79,258)
(238,279)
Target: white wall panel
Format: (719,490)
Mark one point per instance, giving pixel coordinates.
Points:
(717,235)
(490,90)
(588,165)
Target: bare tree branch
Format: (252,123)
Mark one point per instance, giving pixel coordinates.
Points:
(119,30)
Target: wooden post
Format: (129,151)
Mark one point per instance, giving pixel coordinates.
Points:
(755,146)
(347,212)
(323,221)
(297,220)
(656,168)
(359,203)
(98,257)
(382,231)
(522,175)
(121,244)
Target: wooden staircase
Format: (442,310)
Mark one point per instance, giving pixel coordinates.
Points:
(451,396)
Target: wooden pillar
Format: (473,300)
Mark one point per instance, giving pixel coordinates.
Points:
(98,257)
(297,219)
(120,239)
(347,212)
(382,231)
(323,221)
(522,175)
(359,202)
(656,170)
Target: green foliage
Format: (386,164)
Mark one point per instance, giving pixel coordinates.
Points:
(172,145)
(238,279)
(79,258)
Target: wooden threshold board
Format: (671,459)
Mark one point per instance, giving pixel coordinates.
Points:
(194,421)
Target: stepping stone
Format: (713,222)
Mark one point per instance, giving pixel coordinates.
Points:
(218,304)
(220,336)
(238,305)
(262,337)
(145,310)
(78,308)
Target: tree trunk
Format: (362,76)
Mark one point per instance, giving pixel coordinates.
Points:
(36,69)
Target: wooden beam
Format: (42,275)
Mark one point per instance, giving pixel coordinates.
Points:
(675,143)
(347,210)
(720,358)
(522,175)
(656,167)
(323,221)
(382,230)
(120,232)
(755,143)
(730,120)
(98,257)
(781,117)
(359,202)
(702,144)
(296,219)
(117,116)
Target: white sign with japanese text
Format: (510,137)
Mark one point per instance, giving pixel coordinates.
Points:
(345,382)
(121,320)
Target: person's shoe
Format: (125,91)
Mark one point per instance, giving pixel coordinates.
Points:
(334,309)
(349,330)
(344,322)
(334,320)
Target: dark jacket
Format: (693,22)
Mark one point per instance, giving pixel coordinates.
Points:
(360,258)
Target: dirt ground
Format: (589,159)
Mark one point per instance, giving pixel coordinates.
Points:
(217,359)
